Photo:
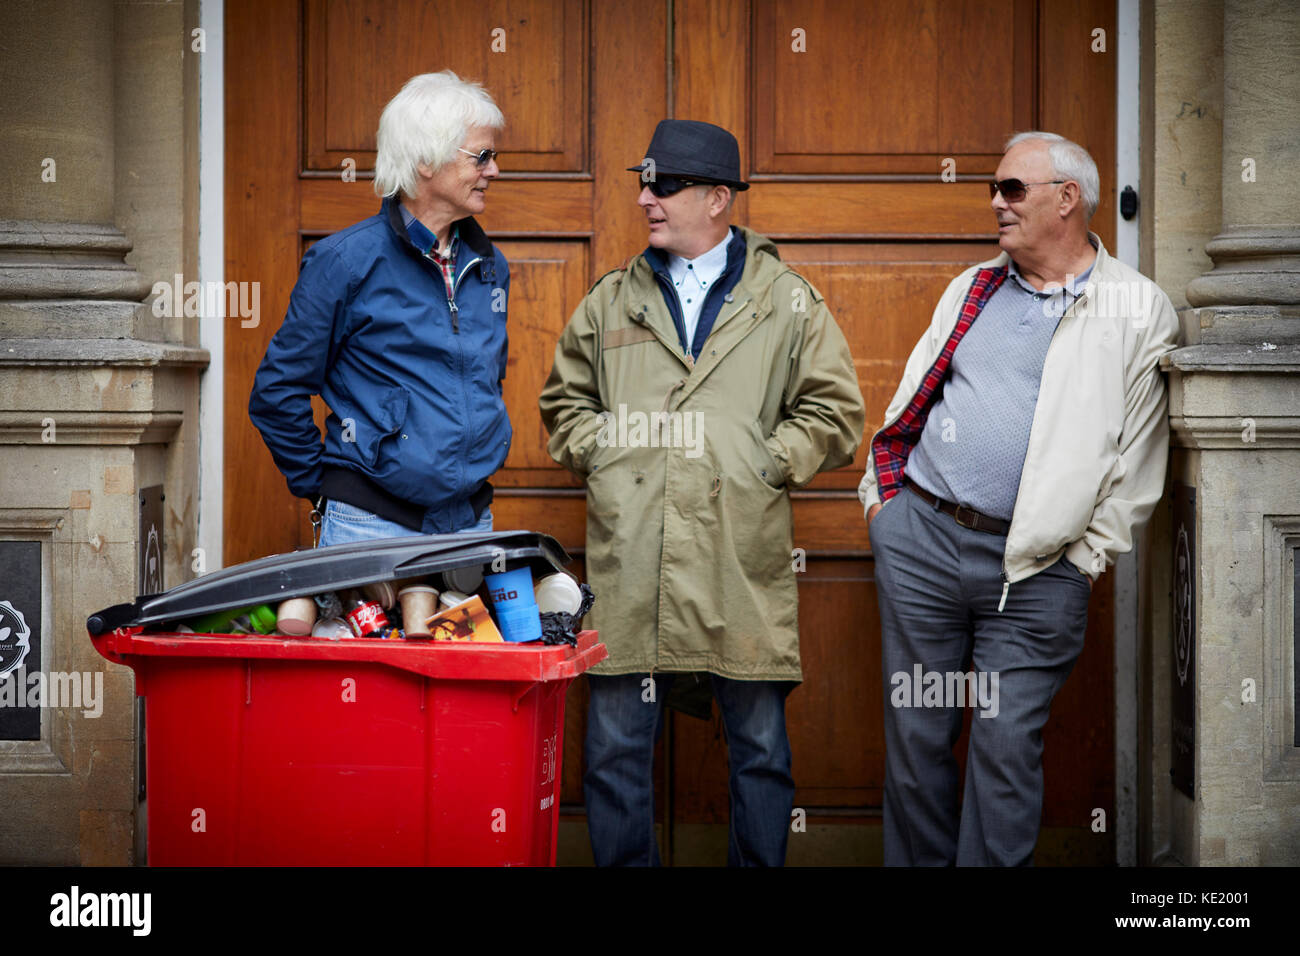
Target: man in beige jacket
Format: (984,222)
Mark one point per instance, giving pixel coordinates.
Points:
(1025,443)
(692,390)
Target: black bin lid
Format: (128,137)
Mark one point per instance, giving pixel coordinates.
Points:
(276,578)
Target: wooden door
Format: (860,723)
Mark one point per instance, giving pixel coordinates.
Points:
(849,115)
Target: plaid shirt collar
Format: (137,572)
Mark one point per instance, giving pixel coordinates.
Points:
(427,243)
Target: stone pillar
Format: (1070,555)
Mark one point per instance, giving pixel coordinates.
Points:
(1235,414)
(95,405)
(61,257)
(1257,253)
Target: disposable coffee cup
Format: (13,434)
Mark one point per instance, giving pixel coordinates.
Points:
(419,602)
(519,622)
(465,580)
(558,593)
(450,599)
(510,587)
(295,617)
(382,593)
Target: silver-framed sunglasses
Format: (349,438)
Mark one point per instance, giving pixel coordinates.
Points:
(482,157)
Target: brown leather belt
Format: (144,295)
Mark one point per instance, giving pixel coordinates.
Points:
(966,517)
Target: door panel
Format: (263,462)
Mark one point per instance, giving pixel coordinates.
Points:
(545,279)
(889,88)
(846,113)
(532,53)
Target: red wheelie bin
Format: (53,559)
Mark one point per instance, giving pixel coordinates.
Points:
(265,750)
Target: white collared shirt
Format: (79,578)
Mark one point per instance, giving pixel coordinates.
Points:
(692,280)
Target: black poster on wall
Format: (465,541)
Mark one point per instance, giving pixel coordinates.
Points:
(1183,672)
(150,580)
(20,639)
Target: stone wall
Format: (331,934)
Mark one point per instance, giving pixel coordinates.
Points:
(98,397)
(1223,239)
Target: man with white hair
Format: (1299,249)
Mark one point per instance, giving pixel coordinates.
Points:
(399,323)
(1025,443)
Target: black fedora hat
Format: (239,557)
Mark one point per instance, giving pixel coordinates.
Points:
(694,150)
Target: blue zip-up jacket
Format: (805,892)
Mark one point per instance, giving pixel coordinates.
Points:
(412,381)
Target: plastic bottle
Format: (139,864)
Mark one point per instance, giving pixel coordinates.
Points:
(240,620)
(366,617)
(332,629)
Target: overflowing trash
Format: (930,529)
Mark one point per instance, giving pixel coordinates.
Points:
(415,609)
(561,627)
(494,588)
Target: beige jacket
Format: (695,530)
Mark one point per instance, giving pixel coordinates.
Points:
(1095,465)
(689,533)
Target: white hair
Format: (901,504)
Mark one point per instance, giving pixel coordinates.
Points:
(1069,161)
(426,123)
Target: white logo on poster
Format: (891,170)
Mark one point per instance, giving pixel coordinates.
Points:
(13,638)
(152,563)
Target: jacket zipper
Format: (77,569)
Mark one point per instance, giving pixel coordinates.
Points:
(451,296)
(455,328)
(666,283)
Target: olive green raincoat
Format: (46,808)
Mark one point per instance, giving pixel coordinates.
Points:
(688,465)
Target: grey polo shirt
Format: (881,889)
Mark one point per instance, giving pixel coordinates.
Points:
(973,447)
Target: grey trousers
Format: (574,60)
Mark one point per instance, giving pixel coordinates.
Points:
(938,586)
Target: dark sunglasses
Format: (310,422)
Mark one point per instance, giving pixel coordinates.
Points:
(1013,190)
(482,157)
(664,186)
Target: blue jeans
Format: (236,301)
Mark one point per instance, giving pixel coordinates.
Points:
(618,786)
(345,524)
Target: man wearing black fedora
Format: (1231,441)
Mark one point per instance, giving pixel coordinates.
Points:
(691,390)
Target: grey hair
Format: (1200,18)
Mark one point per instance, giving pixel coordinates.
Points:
(425,123)
(1069,161)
